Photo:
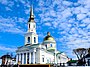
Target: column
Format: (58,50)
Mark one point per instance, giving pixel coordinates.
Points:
(26,58)
(22,58)
(33,57)
(16,58)
(29,58)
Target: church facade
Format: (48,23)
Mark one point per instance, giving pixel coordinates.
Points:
(33,52)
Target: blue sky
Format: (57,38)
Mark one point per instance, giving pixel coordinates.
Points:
(68,21)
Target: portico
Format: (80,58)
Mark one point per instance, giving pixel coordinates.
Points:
(30,58)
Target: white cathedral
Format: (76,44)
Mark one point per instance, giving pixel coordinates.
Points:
(33,52)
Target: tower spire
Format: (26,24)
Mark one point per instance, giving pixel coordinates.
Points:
(31,14)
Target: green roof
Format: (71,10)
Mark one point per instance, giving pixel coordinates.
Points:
(51,49)
(72,61)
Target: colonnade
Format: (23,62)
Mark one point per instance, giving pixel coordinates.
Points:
(26,58)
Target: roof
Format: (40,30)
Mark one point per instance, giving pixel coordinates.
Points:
(48,37)
(72,61)
(51,49)
(8,56)
(27,47)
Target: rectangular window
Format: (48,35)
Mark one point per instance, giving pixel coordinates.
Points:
(34,39)
(43,59)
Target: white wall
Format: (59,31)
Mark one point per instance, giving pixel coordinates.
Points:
(37,56)
(31,38)
(46,56)
(0,61)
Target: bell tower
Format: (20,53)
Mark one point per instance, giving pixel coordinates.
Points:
(31,37)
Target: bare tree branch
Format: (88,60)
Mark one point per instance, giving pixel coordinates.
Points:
(80,52)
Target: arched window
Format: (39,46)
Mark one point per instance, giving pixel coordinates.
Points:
(46,46)
(51,45)
(34,39)
(28,39)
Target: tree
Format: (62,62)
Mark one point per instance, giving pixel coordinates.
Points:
(88,50)
(80,52)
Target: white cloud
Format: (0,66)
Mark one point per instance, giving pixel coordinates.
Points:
(22,20)
(41,3)
(67,3)
(7,2)
(8,9)
(66,13)
(10,49)
(86,20)
(52,13)
(10,25)
(47,24)
(4,2)
(27,11)
(81,16)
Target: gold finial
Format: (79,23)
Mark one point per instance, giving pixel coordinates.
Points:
(48,33)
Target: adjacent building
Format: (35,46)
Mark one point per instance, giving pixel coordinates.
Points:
(87,58)
(8,60)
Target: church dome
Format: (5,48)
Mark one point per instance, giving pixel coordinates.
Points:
(49,42)
(49,37)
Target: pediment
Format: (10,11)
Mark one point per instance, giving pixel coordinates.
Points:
(23,49)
